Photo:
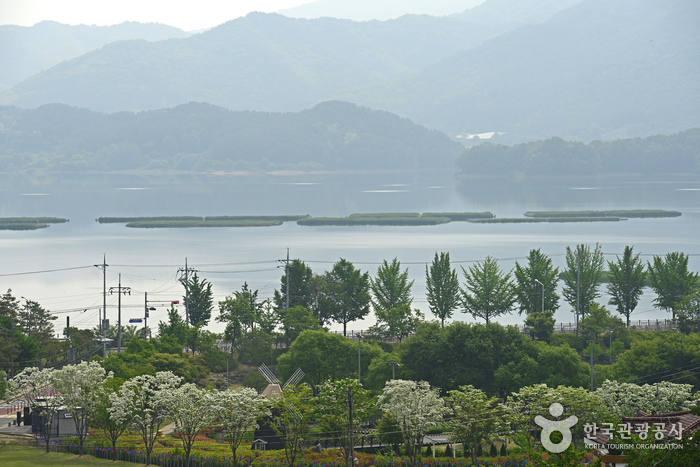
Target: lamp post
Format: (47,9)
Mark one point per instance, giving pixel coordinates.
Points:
(359,357)
(591,342)
(542,293)
(393,369)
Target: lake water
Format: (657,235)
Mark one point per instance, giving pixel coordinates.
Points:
(148,259)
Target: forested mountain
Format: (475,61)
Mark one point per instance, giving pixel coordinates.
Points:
(678,153)
(201,137)
(514,13)
(365,10)
(25,51)
(259,62)
(598,70)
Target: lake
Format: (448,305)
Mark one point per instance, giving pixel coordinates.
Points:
(148,259)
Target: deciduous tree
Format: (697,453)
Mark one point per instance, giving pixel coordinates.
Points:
(442,286)
(237,411)
(391,287)
(397,322)
(144,399)
(671,280)
(192,409)
(474,418)
(80,386)
(487,292)
(626,282)
(416,407)
(529,291)
(345,294)
(583,276)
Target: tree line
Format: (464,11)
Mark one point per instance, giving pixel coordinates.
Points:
(676,153)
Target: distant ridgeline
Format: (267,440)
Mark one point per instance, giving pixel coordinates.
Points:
(389,218)
(677,153)
(203,137)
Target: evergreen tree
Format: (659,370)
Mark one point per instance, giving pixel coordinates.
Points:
(198,301)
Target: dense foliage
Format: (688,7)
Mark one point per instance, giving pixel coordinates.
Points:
(204,137)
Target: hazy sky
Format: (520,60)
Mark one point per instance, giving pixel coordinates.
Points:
(184,14)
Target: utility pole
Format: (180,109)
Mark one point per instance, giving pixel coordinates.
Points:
(286,273)
(578,285)
(351,461)
(185,279)
(120,290)
(103,319)
(359,357)
(591,342)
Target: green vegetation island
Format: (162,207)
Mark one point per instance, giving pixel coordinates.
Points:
(29,223)
(388,219)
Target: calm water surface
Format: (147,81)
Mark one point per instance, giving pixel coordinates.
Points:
(148,259)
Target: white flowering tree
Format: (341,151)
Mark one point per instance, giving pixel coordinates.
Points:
(113,427)
(475,418)
(144,400)
(192,410)
(80,386)
(33,386)
(237,411)
(623,399)
(416,407)
(531,401)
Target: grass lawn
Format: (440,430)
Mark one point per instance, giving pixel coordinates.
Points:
(14,455)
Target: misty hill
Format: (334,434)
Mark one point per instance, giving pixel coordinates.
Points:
(598,70)
(332,135)
(677,153)
(365,10)
(514,13)
(260,62)
(25,51)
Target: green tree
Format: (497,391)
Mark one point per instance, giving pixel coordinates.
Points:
(294,416)
(689,313)
(488,292)
(583,276)
(391,287)
(541,325)
(345,294)
(36,322)
(671,280)
(296,320)
(626,282)
(538,273)
(9,306)
(198,301)
(301,286)
(176,326)
(333,411)
(442,286)
(474,418)
(396,323)
(416,407)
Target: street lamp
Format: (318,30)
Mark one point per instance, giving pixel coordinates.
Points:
(542,293)
(393,369)
(359,358)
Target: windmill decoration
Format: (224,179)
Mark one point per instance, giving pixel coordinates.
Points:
(265,436)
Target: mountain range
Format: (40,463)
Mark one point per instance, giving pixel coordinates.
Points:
(593,69)
(203,137)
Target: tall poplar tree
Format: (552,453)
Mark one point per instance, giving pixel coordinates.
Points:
(583,276)
(442,286)
(626,282)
